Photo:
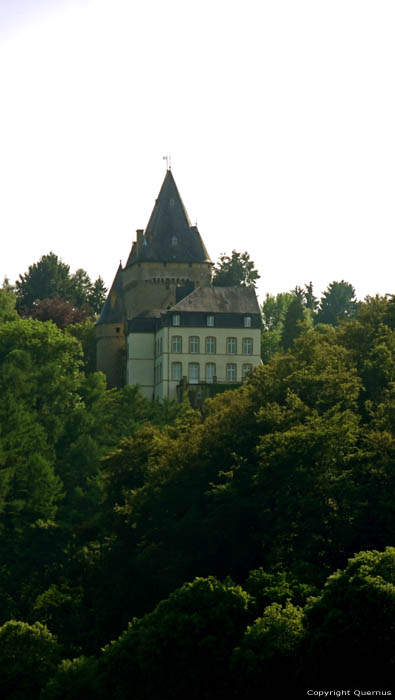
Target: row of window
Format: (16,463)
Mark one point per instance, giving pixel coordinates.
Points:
(247,345)
(210,372)
(210,320)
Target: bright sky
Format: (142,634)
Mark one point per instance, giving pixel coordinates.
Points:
(279,116)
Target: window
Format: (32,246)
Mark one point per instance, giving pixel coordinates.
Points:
(210,320)
(245,370)
(194,345)
(247,321)
(193,373)
(231,346)
(247,346)
(176,371)
(231,373)
(211,345)
(176,343)
(211,371)
(176,319)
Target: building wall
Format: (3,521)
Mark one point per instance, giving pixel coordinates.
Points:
(110,353)
(153,285)
(162,357)
(140,362)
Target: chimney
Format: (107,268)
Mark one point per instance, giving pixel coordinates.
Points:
(139,232)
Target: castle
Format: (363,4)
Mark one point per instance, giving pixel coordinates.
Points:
(164,326)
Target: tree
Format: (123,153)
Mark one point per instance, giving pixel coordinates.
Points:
(235,271)
(338,303)
(50,279)
(29,655)
(63,313)
(267,657)
(46,279)
(8,311)
(311,302)
(97,295)
(293,321)
(188,639)
(349,627)
(274,309)
(74,680)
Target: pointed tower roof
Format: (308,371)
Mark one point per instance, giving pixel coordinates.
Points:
(113,307)
(169,236)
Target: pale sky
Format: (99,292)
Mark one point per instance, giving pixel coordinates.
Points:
(279,117)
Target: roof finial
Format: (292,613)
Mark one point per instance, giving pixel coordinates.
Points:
(168,161)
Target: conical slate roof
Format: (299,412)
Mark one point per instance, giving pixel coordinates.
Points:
(169,236)
(113,307)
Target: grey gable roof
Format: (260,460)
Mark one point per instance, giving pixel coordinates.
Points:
(229,300)
(169,236)
(113,308)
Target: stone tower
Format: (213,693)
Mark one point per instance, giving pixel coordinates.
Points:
(169,256)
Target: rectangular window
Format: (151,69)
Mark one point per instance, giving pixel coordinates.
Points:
(193,373)
(194,344)
(211,345)
(211,371)
(247,321)
(231,346)
(245,370)
(210,320)
(176,319)
(247,346)
(176,343)
(231,373)
(176,371)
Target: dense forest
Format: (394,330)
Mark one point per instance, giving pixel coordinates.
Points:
(152,551)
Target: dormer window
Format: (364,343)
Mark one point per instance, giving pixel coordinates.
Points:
(175,320)
(210,320)
(247,321)
(174,241)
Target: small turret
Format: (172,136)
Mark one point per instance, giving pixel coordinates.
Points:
(110,335)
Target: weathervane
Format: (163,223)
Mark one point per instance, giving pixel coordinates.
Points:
(168,161)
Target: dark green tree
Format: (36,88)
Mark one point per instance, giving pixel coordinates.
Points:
(46,279)
(97,295)
(29,655)
(293,322)
(50,280)
(267,657)
(235,271)
(188,639)
(311,301)
(8,311)
(349,627)
(338,303)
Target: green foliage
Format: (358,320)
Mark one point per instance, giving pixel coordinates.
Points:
(276,587)
(294,319)
(29,655)
(75,680)
(235,271)
(188,640)
(48,283)
(350,625)
(337,304)
(8,311)
(268,654)
(85,333)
